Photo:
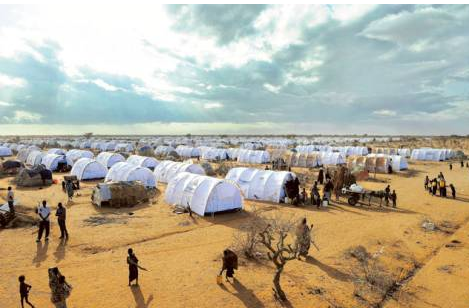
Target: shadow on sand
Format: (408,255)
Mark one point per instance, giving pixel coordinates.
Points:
(330,271)
(245,295)
(139,298)
(41,252)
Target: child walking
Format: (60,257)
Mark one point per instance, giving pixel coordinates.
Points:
(24,291)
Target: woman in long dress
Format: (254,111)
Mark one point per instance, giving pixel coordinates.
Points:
(303,238)
(132,261)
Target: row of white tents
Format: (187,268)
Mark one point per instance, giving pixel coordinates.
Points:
(432,154)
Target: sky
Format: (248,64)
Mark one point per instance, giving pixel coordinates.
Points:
(234,69)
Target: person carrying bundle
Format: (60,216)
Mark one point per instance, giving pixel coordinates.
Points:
(303,238)
(230,263)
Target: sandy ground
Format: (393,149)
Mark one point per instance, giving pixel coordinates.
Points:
(183,254)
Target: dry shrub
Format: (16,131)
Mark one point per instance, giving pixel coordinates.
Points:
(371,279)
(246,240)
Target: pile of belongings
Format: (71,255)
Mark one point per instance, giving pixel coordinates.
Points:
(36,176)
(119,194)
(10,167)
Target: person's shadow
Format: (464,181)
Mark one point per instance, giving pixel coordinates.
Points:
(41,252)
(60,250)
(330,271)
(139,298)
(248,297)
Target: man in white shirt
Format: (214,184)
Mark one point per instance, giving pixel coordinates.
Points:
(11,199)
(44,223)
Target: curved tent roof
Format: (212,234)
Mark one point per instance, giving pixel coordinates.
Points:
(203,194)
(332,158)
(124,147)
(266,185)
(23,154)
(214,153)
(56,151)
(34,158)
(431,154)
(5,151)
(108,159)
(166,170)
(306,160)
(185,151)
(164,149)
(253,156)
(126,172)
(143,161)
(73,155)
(397,162)
(51,161)
(88,169)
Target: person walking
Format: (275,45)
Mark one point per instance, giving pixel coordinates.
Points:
(387,194)
(427,182)
(11,200)
(394,198)
(132,261)
(434,186)
(453,191)
(24,291)
(303,238)
(44,223)
(69,189)
(230,263)
(61,214)
(321,176)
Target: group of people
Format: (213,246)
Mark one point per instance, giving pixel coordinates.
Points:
(60,289)
(390,196)
(438,184)
(44,212)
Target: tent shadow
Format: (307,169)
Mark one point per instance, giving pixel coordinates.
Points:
(139,298)
(329,270)
(244,294)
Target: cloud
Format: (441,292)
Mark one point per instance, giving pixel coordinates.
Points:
(385,113)
(308,68)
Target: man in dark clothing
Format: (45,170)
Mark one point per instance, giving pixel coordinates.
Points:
(453,190)
(394,198)
(315,195)
(462,164)
(387,193)
(427,182)
(230,263)
(321,176)
(61,214)
(450,166)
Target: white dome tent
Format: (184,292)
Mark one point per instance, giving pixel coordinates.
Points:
(431,154)
(5,151)
(124,147)
(163,150)
(52,161)
(88,169)
(253,156)
(56,151)
(397,162)
(166,170)
(185,151)
(256,184)
(143,161)
(332,158)
(125,172)
(74,155)
(214,154)
(203,194)
(108,159)
(34,158)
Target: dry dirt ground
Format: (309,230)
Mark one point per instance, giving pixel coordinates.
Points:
(183,254)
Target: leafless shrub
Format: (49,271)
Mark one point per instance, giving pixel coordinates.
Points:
(247,240)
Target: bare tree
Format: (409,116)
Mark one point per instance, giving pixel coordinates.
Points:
(273,237)
(247,239)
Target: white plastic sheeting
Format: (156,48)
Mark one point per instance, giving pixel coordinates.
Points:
(124,147)
(167,170)
(164,149)
(203,194)
(143,161)
(397,162)
(125,172)
(266,185)
(56,151)
(88,169)
(5,151)
(51,161)
(185,151)
(73,155)
(34,158)
(109,159)
(253,156)
(432,154)
(209,153)
(332,158)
